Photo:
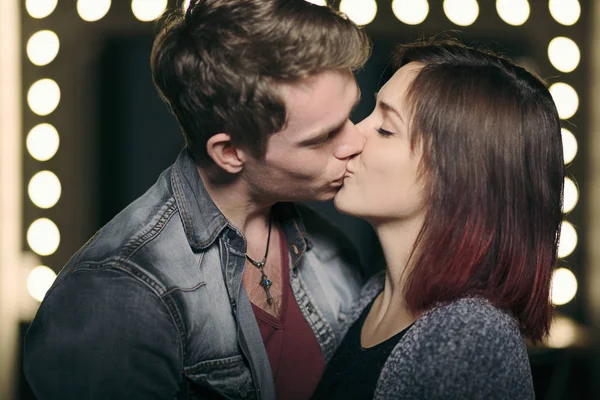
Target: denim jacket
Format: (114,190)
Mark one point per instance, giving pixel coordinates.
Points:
(153,305)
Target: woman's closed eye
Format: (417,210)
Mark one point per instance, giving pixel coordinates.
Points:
(384,133)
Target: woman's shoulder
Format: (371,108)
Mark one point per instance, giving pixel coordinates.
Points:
(470,327)
(467,348)
(475,315)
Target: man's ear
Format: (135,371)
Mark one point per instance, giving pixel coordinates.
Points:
(225,154)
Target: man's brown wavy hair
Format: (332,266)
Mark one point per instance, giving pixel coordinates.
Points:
(217,65)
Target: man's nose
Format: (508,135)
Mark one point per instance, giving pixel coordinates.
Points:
(352,142)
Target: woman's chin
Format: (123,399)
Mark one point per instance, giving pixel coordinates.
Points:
(341,203)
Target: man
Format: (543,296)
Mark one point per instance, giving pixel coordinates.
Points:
(212,284)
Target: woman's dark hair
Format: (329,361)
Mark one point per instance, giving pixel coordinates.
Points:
(217,65)
(493,164)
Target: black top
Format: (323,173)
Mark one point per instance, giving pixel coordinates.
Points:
(353,371)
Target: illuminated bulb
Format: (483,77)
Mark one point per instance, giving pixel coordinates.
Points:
(42,47)
(362,12)
(563,54)
(40,279)
(92,10)
(569,145)
(461,12)
(563,286)
(40,8)
(43,237)
(563,333)
(148,10)
(318,2)
(44,189)
(43,96)
(571,195)
(513,12)
(568,239)
(565,98)
(410,12)
(42,142)
(565,12)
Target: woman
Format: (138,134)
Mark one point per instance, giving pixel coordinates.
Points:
(461,177)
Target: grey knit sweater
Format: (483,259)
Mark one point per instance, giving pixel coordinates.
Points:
(465,349)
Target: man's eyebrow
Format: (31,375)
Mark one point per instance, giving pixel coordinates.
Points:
(326,131)
(322,134)
(388,107)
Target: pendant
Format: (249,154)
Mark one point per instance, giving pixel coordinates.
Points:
(266,284)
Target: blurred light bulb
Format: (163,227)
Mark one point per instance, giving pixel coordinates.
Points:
(40,279)
(92,10)
(564,54)
(362,12)
(461,12)
(569,145)
(42,47)
(43,96)
(565,12)
(563,286)
(43,237)
(44,189)
(148,10)
(410,12)
(568,239)
(40,8)
(571,195)
(513,12)
(42,142)
(565,98)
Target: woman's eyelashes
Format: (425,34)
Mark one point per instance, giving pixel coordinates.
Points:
(384,133)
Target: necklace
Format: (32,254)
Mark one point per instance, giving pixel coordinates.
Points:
(265,282)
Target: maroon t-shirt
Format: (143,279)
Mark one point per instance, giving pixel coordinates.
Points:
(295,356)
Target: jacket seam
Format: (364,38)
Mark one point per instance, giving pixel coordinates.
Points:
(131,247)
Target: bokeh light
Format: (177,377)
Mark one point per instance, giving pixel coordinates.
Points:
(513,12)
(148,10)
(565,98)
(40,8)
(43,96)
(461,12)
(568,239)
(40,279)
(565,12)
(569,145)
(42,142)
(571,195)
(563,286)
(362,12)
(42,47)
(564,54)
(410,12)
(44,189)
(92,10)
(43,236)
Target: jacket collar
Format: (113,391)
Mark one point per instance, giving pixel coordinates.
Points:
(203,222)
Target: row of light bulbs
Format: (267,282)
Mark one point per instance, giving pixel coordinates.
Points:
(363,12)
(44,188)
(94,10)
(459,12)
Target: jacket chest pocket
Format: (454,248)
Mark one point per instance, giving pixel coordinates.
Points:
(225,378)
